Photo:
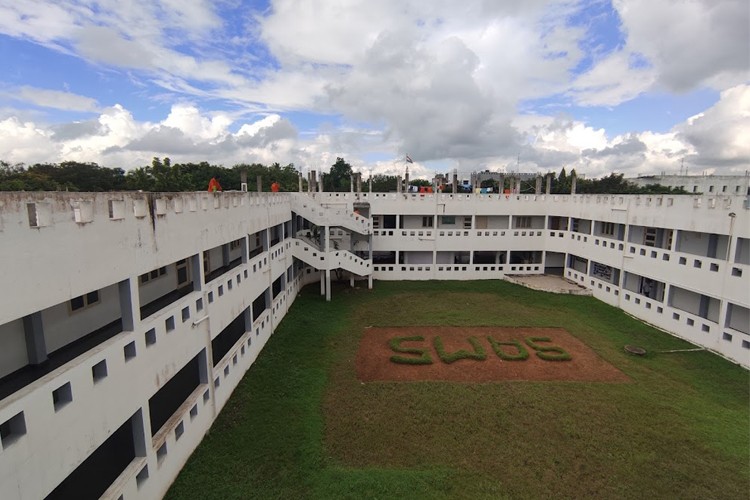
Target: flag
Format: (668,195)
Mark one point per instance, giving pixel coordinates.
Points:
(408,159)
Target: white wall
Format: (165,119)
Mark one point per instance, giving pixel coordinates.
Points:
(13,355)
(62,326)
(684,299)
(739,318)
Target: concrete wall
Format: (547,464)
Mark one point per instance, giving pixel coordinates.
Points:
(63,326)
(148,231)
(13,354)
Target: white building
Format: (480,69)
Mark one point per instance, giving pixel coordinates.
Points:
(127,319)
(700,184)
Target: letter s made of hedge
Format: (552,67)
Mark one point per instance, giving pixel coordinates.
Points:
(548,353)
(395,345)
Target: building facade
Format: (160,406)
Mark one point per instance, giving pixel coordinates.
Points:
(127,319)
(700,184)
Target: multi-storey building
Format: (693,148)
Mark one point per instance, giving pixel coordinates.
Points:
(700,184)
(127,319)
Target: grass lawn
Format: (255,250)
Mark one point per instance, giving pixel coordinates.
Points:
(300,425)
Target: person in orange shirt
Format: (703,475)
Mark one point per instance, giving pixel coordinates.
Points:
(275,187)
(213,184)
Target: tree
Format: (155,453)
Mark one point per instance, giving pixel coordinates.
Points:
(383,183)
(339,177)
(490,183)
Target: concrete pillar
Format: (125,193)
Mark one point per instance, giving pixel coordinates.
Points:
(501,184)
(455,181)
(259,184)
(225,254)
(573,184)
(369,277)
(139,431)
(548,189)
(314,181)
(243,250)
(195,262)
(36,347)
(398,184)
(320,185)
(351,183)
(328,285)
(538,188)
(351,281)
(129,306)
(370,183)
(243,180)
(299,180)
(359,182)
(248,313)
(406,180)
(703,307)
(322,283)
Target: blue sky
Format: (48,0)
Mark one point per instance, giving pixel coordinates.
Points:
(468,86)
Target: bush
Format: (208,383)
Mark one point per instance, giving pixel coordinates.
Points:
(548,353)
(479,353)
(395,345)
(522,354)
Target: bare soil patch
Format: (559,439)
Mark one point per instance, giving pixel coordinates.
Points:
(373,362)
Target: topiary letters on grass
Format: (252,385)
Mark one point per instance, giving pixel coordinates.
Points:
(506,350)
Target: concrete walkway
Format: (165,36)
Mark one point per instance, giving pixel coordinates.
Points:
(548,283)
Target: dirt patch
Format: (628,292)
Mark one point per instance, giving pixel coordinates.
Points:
(374,362)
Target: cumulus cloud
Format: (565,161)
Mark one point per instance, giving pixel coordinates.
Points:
(720,134)
(690,43)
(442,81)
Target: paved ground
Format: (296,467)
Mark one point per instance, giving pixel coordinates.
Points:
(548,283)
(374,358)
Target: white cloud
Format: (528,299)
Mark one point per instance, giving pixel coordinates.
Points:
(57,99)
(440,80)
(690,43)
(611,81)
(720,135)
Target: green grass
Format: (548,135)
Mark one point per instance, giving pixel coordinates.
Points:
(300,425)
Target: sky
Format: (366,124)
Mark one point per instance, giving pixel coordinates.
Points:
(638,87)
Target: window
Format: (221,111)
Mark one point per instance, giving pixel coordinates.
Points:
(84,301)
(695,189)
(233,245)
(427,221)
(723,189)
(447,220)
(608,228)
(156,273)
(710,189)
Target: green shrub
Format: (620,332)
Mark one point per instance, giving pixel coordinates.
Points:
(522,354)
(548,353)
(479,353)
(395,345)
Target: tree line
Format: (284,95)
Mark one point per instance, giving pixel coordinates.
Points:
(610,184)
(164,176)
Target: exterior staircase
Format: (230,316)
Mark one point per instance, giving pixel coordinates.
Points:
(310,254)
(333,217)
